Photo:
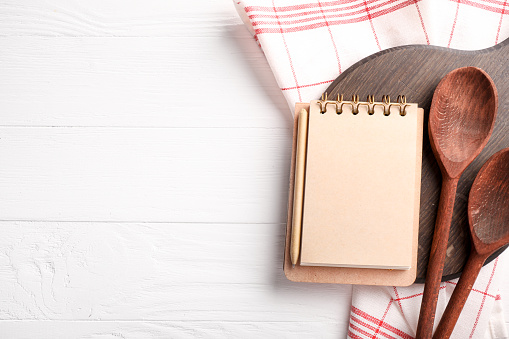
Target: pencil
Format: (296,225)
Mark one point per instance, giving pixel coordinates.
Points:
(298,190)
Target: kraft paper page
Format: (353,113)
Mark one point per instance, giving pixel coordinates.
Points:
(360,188)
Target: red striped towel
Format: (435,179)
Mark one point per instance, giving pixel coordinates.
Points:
(309,43)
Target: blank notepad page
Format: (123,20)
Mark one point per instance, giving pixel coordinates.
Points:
(362,188)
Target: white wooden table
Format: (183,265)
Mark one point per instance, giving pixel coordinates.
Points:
(144,159)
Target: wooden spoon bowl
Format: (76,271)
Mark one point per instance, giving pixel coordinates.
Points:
(462,118)
(488,205)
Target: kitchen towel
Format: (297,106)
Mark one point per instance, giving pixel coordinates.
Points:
(309,43)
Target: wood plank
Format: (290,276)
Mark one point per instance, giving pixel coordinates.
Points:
(170,329)
(116,18)
(174,272)
(144,174)
(145,82)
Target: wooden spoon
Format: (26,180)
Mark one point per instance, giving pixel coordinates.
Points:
(462,116)
(488,216)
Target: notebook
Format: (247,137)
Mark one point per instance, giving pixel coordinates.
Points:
(361,190)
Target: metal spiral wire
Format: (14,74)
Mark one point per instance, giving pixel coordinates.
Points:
(370,104)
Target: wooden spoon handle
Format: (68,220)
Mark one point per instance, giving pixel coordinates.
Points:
(459,296)
(437,258)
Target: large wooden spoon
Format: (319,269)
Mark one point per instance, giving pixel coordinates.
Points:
(462,116)
(488,216)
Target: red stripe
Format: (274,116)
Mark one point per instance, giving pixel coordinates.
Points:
(248,9)
(296,15)
(310,85)
(475,290)
(383,324)
(383,318)
(372,27)
(255,36)
(494,2)
(289,57)
(398,300)
(483,299)
(454,23)
(422,22)
(336,22)
(360,322)
(299,21)
(332,39)
(294,7)
(352,335)
(485,7)
(500,22)
(361,331)
(339,13)
(416,295)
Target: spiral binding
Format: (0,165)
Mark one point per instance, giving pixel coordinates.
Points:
(370,104)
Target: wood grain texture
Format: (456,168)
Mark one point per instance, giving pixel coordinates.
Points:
(437,256)
(116,18)
(169,329)
(415,71)
(488,204)
(139,82)
(173,272)
(488,215)
(144,174)
(461,120)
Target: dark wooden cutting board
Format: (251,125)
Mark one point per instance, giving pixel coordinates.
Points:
(415,71)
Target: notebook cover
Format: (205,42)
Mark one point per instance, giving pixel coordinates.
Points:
(344,275)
